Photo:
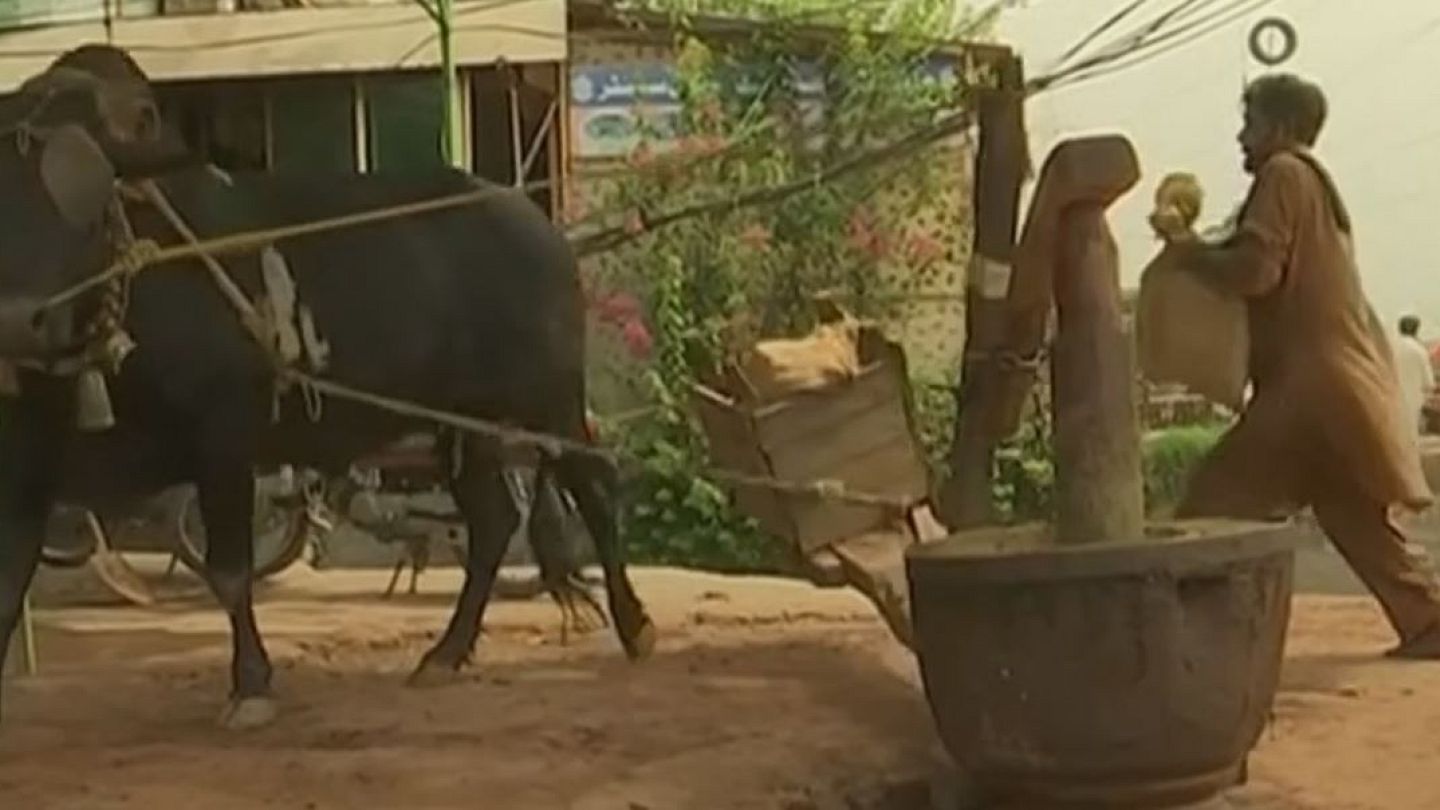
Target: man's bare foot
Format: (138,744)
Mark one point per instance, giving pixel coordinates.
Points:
(1424,647)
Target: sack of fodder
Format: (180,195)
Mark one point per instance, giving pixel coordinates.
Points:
(1187,331)
(775,369)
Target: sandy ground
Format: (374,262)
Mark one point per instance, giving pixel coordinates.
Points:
(763,694)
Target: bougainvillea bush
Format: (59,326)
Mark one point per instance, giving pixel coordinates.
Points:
(685,296)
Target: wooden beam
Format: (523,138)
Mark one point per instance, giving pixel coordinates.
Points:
(1099,493)
(1002,163)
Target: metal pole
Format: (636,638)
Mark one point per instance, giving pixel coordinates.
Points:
(452,141)
(452,137)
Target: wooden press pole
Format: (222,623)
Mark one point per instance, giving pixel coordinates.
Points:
(987,410)
(1099,488)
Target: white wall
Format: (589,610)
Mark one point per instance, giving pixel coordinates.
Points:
(1374,58)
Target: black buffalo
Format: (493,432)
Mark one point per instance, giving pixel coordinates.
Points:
(476,310)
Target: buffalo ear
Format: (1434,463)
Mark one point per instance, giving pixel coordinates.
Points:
(165,152)
(77,175)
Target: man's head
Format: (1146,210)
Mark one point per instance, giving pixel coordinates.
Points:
(1282,111)
(1410,326)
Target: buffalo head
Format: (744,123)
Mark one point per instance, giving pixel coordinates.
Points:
(66,136)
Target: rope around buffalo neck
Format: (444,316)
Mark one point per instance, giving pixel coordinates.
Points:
(146,253)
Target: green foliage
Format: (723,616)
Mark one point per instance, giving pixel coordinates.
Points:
(1023,479)
(710,285)
(933,407)
(1025,468)
(1170,459)
(940,19)
(672,515)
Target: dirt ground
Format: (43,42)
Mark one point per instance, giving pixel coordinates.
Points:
(763,694)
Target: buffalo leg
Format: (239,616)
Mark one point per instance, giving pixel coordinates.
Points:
(29,445)
(227,492)
(593,483)
(490,515)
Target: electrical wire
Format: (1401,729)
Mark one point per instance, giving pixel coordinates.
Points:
(1099,31)
(1120,41)
(1131,46)
(1159,45)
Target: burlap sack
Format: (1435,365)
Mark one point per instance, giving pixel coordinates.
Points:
(775,369)
(1186,331)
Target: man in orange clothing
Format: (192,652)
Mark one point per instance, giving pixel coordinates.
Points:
(1325,426)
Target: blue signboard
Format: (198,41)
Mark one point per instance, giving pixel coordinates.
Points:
(613,105)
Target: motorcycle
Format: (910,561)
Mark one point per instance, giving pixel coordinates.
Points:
(396,497)
(170,523)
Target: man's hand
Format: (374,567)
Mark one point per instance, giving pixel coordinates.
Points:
(1169,224)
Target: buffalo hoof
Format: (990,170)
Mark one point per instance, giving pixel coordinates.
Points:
(433,674)
(640,642)
(245,714)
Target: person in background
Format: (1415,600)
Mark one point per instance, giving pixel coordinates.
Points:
(1324,427)
(1412,363)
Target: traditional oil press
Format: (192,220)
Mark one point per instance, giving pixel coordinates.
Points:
(1100,662)
(1103,661)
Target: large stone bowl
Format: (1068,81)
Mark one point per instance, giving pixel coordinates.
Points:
(1124,674)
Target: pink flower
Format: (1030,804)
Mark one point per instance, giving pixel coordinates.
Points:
(686,146)
(641,155)
(881,245)
(755,236)
(865,237)
(634,223)
(710,112)
(859,229)
(711,144)
(637,339)
(618,308)
(924,248)
(575,209)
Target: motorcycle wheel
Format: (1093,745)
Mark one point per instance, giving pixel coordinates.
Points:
(281,534)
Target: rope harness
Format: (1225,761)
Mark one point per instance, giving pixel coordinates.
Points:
(109,342)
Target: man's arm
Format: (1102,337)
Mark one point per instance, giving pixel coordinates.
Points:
(1240,267)
(1252,262)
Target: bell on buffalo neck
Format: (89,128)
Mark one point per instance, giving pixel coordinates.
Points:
(93,412)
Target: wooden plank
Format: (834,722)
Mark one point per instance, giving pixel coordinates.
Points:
(819,523)
(803,416)
(823,569)
(730,434)
(874,564)
(859,433)
(883,428)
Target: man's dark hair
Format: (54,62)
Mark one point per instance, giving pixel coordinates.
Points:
(1409,326)
(1290,102)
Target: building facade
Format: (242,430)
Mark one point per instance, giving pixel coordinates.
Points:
(320,85)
